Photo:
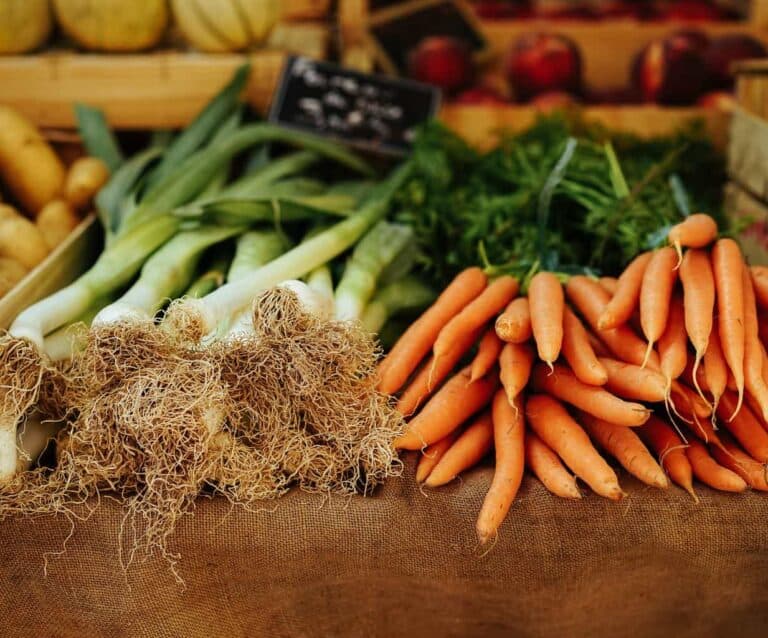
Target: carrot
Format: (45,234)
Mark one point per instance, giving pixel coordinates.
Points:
(760,282)
(432,454)
(673,345)
(629,381)
(548,468)
(597,345)
(578,351)
(420,336)
(550,420)
(699,302)
(736,460)
(514,324)
(715,368)
(701,428)
(515,364)
(488,351)
(590,299)
(610,284)
(432,374)
(624,301)
(763,331)
(681,392)
(453,404)
(627,448)
(695,231)
(710,472)
(467,450)
(562,383)
(745,427)
(547,302)
(509,441)
(479,311)
(687,376)
(727,264)
(668,445)
(655,295)
(753,349)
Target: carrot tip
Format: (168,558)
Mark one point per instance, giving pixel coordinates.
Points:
(647,356)
(679,251)
(690,490)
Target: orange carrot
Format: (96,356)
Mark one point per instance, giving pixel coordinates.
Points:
(488,351)
(431,374)
(550,420)
(515,365)
(610,284)
(699,302)
(687,376)
(710,472)
(763,332)
(548,468)
(753,349)
(655,295)
(668,445)
(590,300)
(629,381)
(564,385)
(578,351)
(744,426)
(420,336)
(546,299)
(432,454)
(597,345)
(627,448)
(624,301)
(478,312)
(673,345)
(453,404)
(514,324)
(695,231)
(715,368)
(760,282)
(701,428)
(736,460)
(682,393)
(509,441)
(467,450)
(728,264)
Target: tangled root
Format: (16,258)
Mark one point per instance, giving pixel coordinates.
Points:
(154,419)
(22,371)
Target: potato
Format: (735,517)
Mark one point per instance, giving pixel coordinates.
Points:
(56,221)
(11,273)
(24,25)
(20,239)
(84,179)
(29,167)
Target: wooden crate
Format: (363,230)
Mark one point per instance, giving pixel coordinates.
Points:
(752,86)
(65,263)
(481,125)
(748,153)
(153,90)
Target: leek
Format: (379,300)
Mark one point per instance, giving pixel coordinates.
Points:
(213,277)
(405,295)
(254,249)
(372,255)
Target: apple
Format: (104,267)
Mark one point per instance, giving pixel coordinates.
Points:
(543,62)
(722,54)
(443,61)
(670,71)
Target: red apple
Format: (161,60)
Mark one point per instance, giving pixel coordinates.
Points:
(724,51)
(553,101)
(695,38)
(501,9)
(691,10)
(618,95)
(720,100)
(480,95)
(443,61)
(541,62)
(670,71)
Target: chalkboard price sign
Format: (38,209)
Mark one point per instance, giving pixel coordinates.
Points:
(371,112)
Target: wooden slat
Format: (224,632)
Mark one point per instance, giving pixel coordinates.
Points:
(739,204)
(68,260)
(157,90)
(482,125)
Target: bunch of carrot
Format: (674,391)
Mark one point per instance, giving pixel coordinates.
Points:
(626,368)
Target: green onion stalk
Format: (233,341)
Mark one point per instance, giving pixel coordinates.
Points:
(208,313)
(408,294)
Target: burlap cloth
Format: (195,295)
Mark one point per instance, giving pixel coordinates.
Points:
(402,563)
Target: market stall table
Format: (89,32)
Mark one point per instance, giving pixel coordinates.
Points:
(405,563)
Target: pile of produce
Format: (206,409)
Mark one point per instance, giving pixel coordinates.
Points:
(48,197)
(249,381)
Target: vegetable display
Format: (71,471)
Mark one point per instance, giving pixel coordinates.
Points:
(670,364)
